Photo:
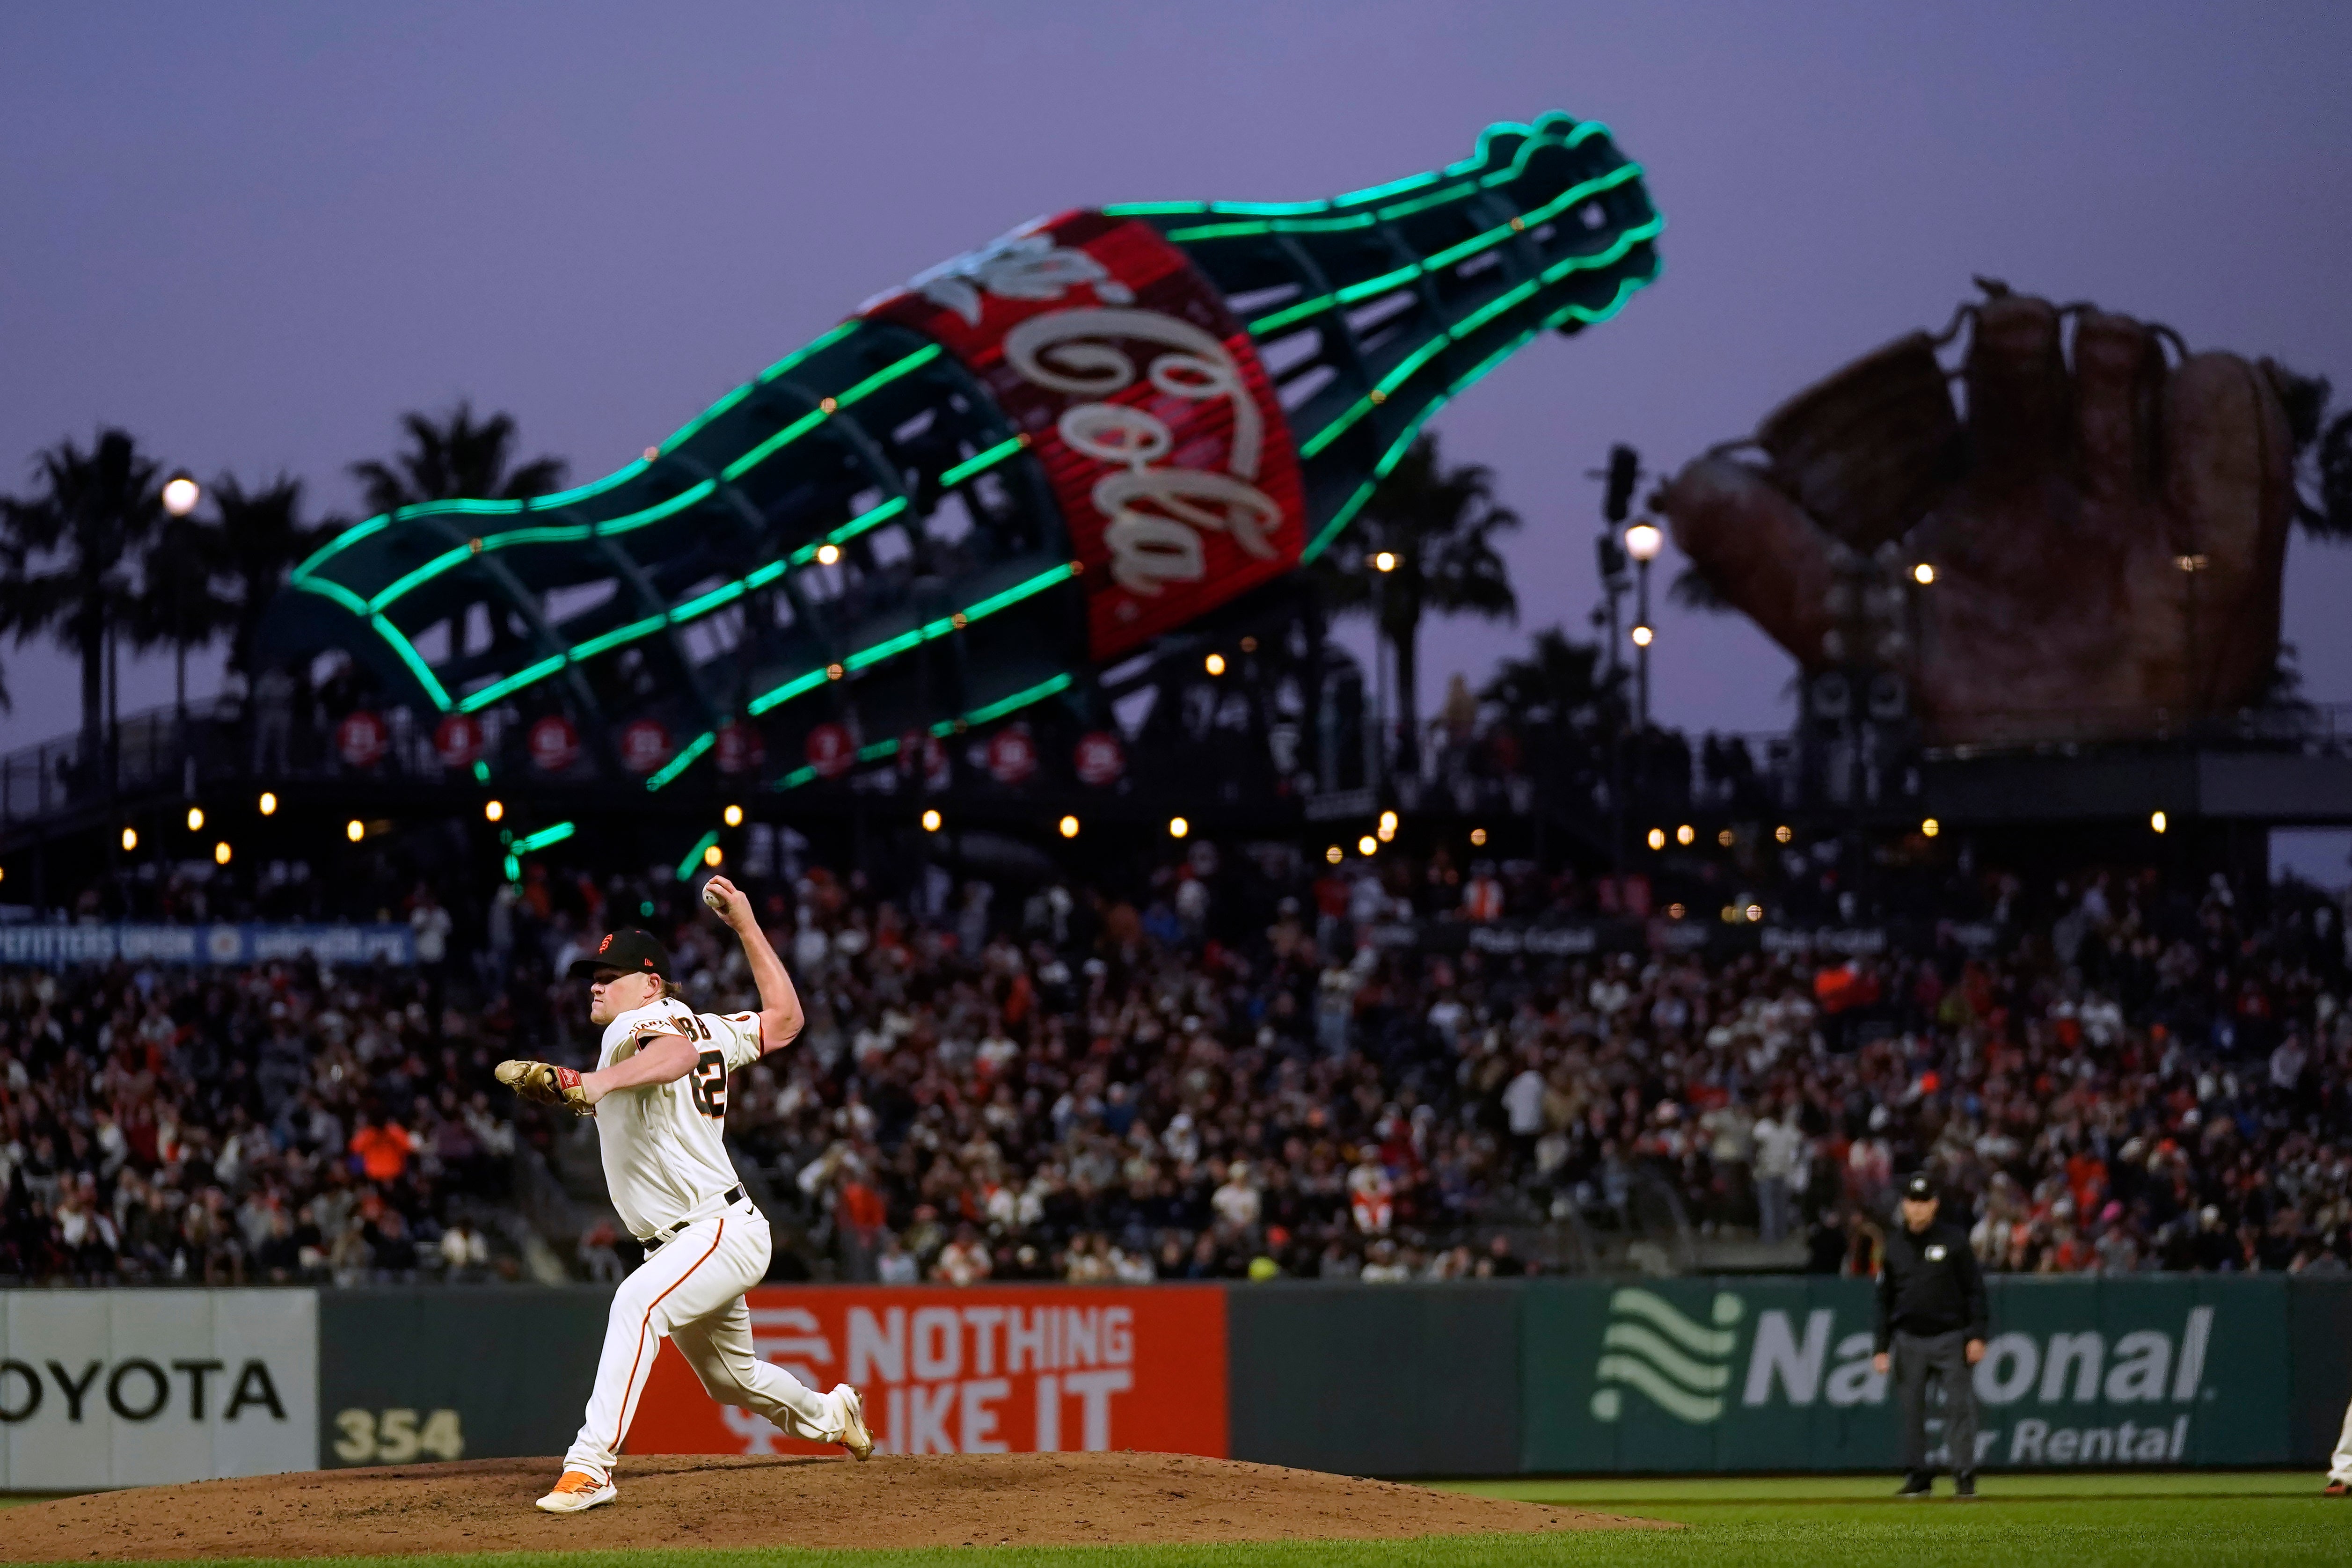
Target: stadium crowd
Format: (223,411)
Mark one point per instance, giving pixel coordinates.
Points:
(1243,1071)
(269,1124)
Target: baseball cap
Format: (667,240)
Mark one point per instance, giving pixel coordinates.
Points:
(637,950)
(1920,1189)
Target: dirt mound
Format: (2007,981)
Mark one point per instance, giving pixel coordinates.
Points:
(1031,1499)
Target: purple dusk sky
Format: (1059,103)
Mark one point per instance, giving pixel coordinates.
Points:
(255,234)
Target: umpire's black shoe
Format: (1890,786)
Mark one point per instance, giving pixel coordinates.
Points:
(1964,1485)
(1917,1485)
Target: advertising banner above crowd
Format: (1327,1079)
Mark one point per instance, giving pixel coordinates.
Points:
(54,947)
(988,1370)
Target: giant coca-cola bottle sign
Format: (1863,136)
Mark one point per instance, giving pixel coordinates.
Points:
(1146,404)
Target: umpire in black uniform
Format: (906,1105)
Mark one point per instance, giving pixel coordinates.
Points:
(1931,1323)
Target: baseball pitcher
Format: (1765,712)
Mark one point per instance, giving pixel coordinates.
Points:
(659,1096)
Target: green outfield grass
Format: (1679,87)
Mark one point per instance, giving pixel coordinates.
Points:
(2079,1520)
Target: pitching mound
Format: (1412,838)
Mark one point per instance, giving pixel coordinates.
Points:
(1030,1500)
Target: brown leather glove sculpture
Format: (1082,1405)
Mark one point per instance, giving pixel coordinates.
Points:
(2105,538)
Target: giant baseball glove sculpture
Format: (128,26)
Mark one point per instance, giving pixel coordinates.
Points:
(2096,552)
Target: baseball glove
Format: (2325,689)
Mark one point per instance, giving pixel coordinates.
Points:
(543,1083)
(2105,538)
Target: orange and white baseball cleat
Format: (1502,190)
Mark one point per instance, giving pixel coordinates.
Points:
(579,1491)
(854,1435)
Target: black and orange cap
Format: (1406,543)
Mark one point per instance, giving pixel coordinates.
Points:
(640,951)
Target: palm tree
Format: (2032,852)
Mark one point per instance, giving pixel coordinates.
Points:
(1440,525)
(1560,683)
(457,460)
(262,539)
(79,534)
(179,601)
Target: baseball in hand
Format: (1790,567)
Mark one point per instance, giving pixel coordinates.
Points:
(721,894)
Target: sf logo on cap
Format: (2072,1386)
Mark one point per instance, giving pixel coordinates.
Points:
(607,942)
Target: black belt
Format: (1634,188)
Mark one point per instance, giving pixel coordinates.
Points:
(731,1198)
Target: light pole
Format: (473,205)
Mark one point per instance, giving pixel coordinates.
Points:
(1382,563)
(1642,542)
(179,496)
(1622,474)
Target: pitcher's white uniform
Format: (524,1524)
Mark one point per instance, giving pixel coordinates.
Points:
(666,1165)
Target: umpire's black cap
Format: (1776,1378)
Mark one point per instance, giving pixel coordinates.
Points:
(638,951)
(1920,1189)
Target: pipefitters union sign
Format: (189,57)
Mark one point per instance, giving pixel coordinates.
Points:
(1145,402)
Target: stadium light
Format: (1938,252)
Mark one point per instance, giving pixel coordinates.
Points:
(1069,826)
(1215,664)
(1642,541)
(1478,835)
(734,816)
(1368,845)
(931,821)
(1388,828)
(1676,911)
(713,855)
(1930,828)
(268,804)
(1657,838)
(180,493)
(826,554)
(1922,574)
(195,819)
(1385,561)
(220,852)
(1178,827)
(1783,833)
(1726,837)
(1686,835)
(1644,636)
(130,838)
(355,830)
(1334,855)
(2155,821)
(1754,913)
(493,810)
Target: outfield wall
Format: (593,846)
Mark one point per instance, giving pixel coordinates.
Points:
(1547,1376)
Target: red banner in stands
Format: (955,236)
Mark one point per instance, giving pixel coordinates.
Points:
(1144,400)
(988,1370)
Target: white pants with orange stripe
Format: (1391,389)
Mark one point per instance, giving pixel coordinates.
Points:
(691,1290)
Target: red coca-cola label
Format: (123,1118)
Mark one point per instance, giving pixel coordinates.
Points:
(832,750)
(739,749)
(457,739)
(1143,398)
(361,738)
(1012,755)
(644,746)
(1098,757)
(554,744)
